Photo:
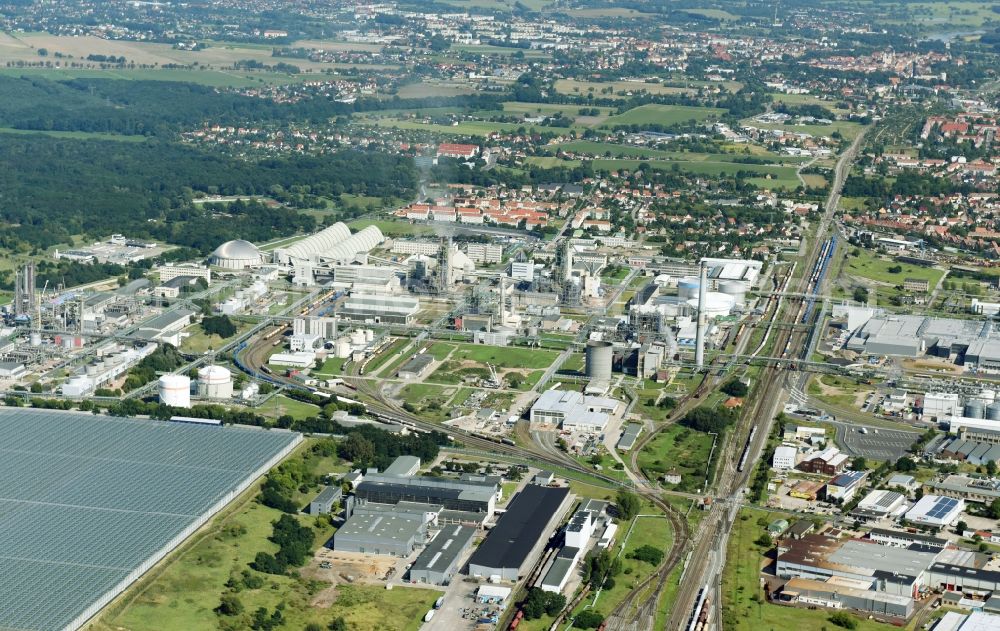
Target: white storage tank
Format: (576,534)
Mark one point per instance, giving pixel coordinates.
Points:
(358,337)
(215,382)
(735,289)
(687,288)
(343,348)
(175,390)
(369,336)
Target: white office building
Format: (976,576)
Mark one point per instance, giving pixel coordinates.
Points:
(784,458)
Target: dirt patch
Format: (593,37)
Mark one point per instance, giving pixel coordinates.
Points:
(338,568)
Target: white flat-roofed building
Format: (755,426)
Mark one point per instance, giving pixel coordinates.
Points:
(936,511)
(940,405)
(573,410)
(380,309)
(881,502)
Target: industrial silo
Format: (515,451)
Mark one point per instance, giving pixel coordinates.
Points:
(687,288)
(215,382)
(974,409)
(993,411)
(175,390)
(736,289)
(599,356)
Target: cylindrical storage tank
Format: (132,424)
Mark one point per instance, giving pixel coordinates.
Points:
(532,331)
(175,390)
(91,369)
(974,409)
(215,382)
(599,356)
(735,289)
(993,411)
(35,339)
(357,337)
(369,335)
(987,396)
(343,348)
(687,288)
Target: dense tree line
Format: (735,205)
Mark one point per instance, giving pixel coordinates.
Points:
(164,107)
(704,419)
(56,188)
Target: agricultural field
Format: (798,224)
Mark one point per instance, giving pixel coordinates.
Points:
(681,450)
(390,227)
(613,150)
(655,114)
(425,89)
(75,135)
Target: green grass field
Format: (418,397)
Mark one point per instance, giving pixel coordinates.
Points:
(505,357)
(281,405)
(662,115)
(612,150)
(868,265)
(390,227)
(678,449)
(849,130)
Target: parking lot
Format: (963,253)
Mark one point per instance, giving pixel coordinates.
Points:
(878,443)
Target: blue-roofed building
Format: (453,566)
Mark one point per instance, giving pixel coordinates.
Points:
(936,511)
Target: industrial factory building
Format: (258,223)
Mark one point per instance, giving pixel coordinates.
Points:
(519,533)
(380,309)
(396,534)
(573,411)
(469,496)
(976,343)
(440,560)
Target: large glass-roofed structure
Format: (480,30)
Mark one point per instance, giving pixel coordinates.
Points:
(89,503)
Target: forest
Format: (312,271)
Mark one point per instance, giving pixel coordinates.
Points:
(54,189)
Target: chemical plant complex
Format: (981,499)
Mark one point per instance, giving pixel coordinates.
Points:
(535,377)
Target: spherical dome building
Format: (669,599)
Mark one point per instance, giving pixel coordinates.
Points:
(237,254)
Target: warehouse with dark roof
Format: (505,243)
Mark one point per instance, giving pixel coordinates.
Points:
(519,533)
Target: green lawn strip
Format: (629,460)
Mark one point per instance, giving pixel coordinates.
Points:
(281,405)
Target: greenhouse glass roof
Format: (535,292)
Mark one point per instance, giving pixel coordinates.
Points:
(89,503)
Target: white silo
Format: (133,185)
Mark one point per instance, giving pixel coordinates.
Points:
(736,289)
(369,336)
(357,337)
(688,288)
(215,382)
(175,390)
(342,348)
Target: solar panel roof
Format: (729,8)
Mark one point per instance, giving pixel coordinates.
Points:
(86,501)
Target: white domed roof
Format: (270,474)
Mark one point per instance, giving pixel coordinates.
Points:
(236,249)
